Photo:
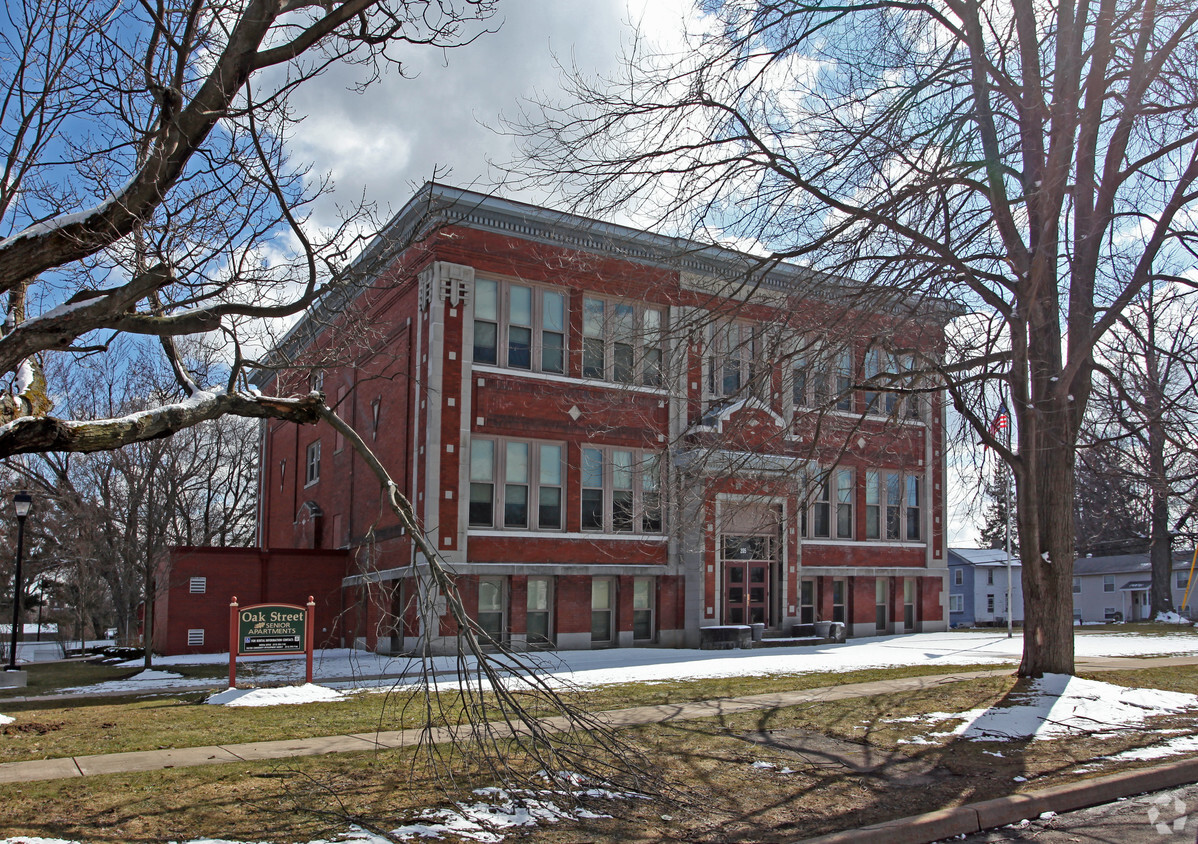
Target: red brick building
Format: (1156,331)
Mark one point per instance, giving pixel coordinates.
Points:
(613,438)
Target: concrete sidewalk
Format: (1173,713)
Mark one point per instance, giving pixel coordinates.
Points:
(217,754)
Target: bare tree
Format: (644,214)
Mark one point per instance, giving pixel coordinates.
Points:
(147,191)
(1145,417)
(1034,165)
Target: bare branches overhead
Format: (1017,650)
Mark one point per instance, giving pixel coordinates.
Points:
(1035,164)
(146,186)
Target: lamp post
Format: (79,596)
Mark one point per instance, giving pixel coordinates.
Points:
(22,504)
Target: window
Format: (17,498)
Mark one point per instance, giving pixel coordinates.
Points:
(990,603)
(316,380)
(642,609)
(621,342)
(195,637)
(873,506)
(1077,585)
(198,585)
(539,624)
(518,326)
(914,508)
(887,494)
(1183,578)
(838,594)
(312,464)
(989,577)
(821,518)
(621,491)
(956,603)
(807,601)
(530,494)
(872,368)
(844,503)
(1111,614)
(738,362)
(842,380)
(1108,583)
(492,603)
(958,577)
(602,605)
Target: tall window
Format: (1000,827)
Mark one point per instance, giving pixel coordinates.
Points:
(873,505)
(844,503)
(620,491)
(914,508)
(538,624)
(842,380)
(530,495)
(492,606)
(838,598)
(621,342)
(642,609)
(312,464)
(1108,583)
(872,368)
(519,326)
(602,609)
(821,509)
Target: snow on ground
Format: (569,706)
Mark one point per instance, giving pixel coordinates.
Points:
(5,719)
(1058,706)
(345,668)
(1170,618)
(307,693)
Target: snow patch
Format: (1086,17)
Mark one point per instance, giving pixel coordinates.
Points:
(5,719)
(1171,618)
(284,696)
(1058,705)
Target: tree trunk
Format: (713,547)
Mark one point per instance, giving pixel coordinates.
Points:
(1045,513)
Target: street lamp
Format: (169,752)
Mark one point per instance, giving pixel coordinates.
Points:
(22,504)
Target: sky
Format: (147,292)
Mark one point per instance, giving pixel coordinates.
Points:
(385,142)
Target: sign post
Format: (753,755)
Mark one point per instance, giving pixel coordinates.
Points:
(270,629)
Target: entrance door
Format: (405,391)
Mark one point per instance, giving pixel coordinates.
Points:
(746,579)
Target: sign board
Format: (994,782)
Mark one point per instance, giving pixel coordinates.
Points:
(270,629)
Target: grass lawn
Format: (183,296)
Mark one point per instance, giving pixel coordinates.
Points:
(836,765)
(115,725)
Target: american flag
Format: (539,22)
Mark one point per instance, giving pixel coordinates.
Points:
(1001,421)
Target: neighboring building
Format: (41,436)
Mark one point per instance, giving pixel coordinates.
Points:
(977,587)
(1119,587)
(613,438)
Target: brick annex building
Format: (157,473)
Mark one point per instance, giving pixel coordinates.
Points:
(613,438)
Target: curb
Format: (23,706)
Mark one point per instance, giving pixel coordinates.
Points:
(988,814)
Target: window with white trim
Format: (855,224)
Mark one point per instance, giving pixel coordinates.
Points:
(844,503)
(956,603)
(195,637)
(643,602)
(842,380)
(989,603)
(958,577)
(519,326)
(621,490)
(621,342)
(312,463)
(887,496)
(1077,585)
(1108,583)
(516,484)
(1182,579)
(539,615)
(198,585)
(740,361)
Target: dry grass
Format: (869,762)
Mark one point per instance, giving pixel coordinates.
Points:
(102,725)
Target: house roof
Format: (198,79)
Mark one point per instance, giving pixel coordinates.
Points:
(980,557)
(1125,564)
